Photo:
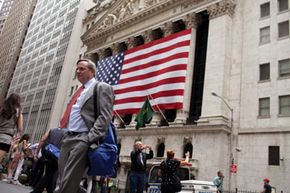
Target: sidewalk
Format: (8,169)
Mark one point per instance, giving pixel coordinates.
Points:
(10,188)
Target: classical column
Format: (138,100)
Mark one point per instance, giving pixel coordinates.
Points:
(218,64)
(130,42)
(101,53)
(191,21)
(182,114)
(157,117)
(167,29)
(147,36)
(114,48)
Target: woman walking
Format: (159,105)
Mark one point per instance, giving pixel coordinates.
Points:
(11,123)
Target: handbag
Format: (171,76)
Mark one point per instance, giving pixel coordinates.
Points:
(103,159)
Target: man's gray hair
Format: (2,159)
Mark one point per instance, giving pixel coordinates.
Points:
(91,64)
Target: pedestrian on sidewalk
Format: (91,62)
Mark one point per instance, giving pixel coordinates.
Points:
(85,129)
(54,137)
(11,123)
(267,186)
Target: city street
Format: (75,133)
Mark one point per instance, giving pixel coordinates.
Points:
(10,188)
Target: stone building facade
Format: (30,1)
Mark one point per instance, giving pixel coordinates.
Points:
(16,17)
(236,107)
(5,7)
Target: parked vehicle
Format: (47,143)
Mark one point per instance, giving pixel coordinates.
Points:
(188,185)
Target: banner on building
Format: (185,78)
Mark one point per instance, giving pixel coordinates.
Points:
(157,68)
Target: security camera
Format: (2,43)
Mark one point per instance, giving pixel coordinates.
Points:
(238,149)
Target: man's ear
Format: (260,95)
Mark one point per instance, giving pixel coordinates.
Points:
(93,73)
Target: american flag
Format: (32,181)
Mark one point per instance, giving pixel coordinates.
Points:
(156,70)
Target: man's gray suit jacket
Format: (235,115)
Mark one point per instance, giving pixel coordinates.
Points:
(105,100)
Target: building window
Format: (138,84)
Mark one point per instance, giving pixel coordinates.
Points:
(71,91)
(283,29)
(282,5)
(284,105)
(265,10)
(265,71)
(274,155)
(264,106)
(160,150)
(265,35)
(284,68)
(188,148)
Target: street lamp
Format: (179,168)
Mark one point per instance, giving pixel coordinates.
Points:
(231,161)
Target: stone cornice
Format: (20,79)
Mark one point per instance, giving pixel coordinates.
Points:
(224,7)
(263,131)
(185,130)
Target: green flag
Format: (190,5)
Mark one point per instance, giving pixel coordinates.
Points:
(144,115)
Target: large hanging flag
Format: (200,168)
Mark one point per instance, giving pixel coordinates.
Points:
(157,68)
(145,114)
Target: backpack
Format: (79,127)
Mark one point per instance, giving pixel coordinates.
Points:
(103,159)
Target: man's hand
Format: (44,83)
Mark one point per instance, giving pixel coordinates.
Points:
(146,147)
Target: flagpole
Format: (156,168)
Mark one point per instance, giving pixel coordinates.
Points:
(120,118)
(158,107)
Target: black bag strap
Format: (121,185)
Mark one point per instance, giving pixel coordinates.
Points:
(97,110)
(96,96)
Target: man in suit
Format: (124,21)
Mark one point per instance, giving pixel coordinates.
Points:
(84,128)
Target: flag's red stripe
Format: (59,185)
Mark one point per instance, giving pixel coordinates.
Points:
(156,62)
(177,92)
(161,106)
(156,52)
(127,111)
(155,42)
(169,106)
(151,85)
(154,73)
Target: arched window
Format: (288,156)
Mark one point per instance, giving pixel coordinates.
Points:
(119,148)
(188,148)
(160,150)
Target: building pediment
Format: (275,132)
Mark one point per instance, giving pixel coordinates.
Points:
(123,13)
